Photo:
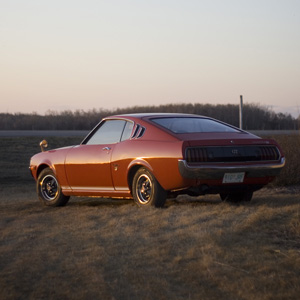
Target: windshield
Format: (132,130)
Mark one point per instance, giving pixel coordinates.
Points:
(193,125)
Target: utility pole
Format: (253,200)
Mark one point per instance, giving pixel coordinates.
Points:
(241,112)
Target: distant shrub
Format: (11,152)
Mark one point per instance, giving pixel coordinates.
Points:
(255,117)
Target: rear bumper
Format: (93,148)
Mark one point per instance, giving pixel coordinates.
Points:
(211,171)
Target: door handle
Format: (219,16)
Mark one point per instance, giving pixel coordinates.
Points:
(106,148)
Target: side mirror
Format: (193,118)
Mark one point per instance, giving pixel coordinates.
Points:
(44,145)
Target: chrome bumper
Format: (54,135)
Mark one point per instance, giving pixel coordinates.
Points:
(211,171)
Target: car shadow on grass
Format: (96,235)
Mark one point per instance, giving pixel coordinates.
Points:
(262,199)
(93,202)
(200,200)
(106,202)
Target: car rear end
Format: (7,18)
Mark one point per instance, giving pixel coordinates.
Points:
(220,158)
(232,163)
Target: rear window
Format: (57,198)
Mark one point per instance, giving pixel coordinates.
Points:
(193,125)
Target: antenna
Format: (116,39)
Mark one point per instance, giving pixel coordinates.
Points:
(241,112)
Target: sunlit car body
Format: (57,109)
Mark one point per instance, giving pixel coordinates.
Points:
(148,156)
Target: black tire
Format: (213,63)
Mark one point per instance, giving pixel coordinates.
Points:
(49,190)
(146,190)
(236,197)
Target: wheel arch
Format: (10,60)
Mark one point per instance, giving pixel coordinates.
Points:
(133,168)
(145,188)
(43,167)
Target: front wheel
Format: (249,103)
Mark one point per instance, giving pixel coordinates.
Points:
(236,197)
(146,190)
(49,190)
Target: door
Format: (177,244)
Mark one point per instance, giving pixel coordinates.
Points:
(88,166)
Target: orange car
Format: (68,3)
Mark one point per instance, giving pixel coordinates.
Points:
(149,156)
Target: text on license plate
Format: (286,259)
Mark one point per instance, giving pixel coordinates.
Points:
(233,177)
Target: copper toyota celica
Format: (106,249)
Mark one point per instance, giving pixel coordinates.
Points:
(150,156)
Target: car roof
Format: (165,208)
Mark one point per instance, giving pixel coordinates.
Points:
(151,115)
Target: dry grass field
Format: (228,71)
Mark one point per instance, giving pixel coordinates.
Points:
(194,248)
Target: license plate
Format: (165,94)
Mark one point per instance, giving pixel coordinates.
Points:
(233,177)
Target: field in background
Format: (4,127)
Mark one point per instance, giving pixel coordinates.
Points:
(15,153)
(195,248)
(290,175)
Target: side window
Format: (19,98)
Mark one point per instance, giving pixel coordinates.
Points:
(108,133)
(127,131)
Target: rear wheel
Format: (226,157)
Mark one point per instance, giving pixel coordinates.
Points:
(236,197)
(49,190)
(146,190)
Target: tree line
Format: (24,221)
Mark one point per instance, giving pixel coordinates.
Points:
(255,117)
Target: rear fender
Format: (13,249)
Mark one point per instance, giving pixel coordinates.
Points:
(133,167)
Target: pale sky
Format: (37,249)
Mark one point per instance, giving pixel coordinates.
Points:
(71,54)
